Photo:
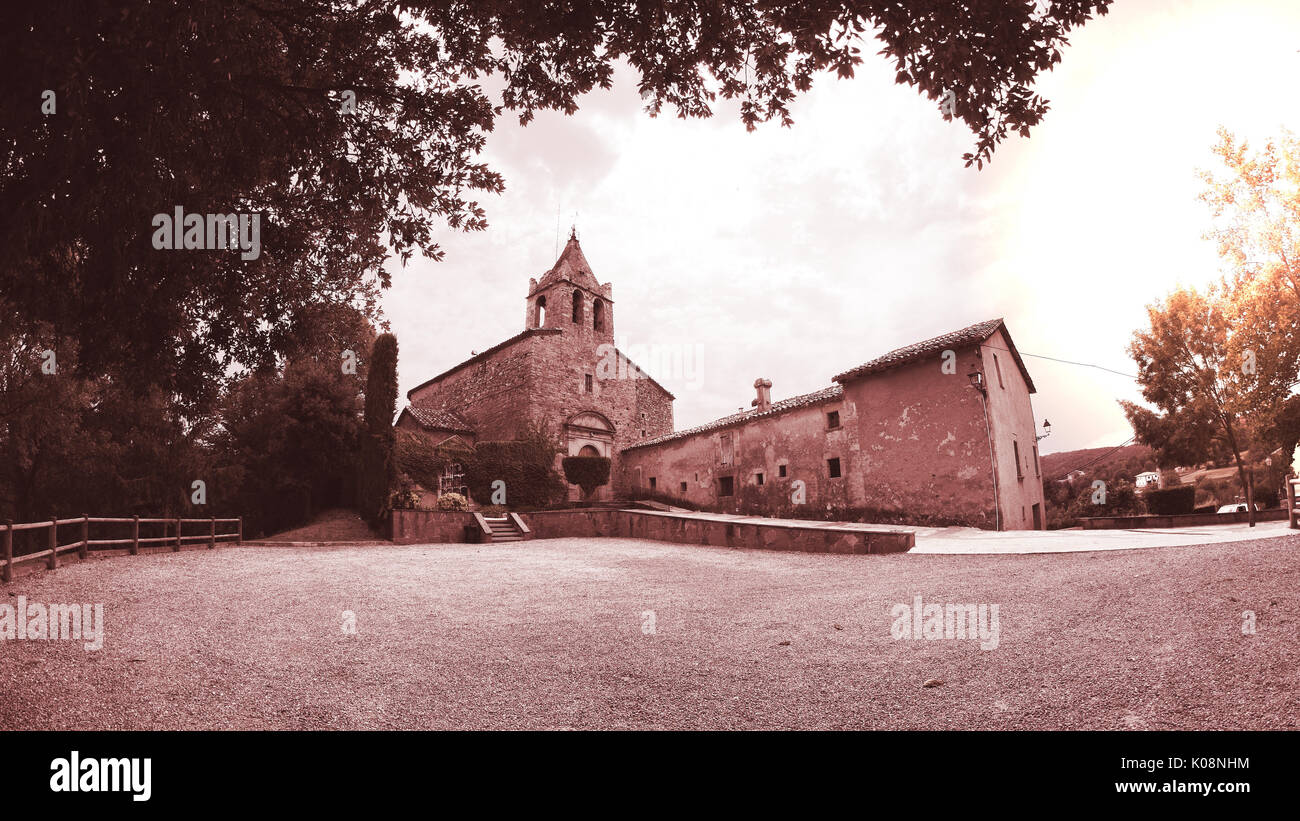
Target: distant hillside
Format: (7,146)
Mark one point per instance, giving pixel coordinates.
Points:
(1128,462)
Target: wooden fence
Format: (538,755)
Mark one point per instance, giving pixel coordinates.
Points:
(83,544)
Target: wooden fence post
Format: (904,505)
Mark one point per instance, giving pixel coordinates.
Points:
(176,547)
(1290,503)
(212,535)
(85,536)
(53,561)
(8,547)
(135,535)
(239,538)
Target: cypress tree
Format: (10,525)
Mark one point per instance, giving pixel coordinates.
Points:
(378,467)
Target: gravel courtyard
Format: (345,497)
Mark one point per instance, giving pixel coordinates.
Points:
(552,634)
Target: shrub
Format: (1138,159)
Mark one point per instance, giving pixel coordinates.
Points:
(404,498)
(1268,485)
(1267,497)
(1172,501)
(587,472)
(452,501)
(1120,500)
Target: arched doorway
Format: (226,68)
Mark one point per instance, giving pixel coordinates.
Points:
(589,433)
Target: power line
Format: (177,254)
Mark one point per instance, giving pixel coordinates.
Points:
(1093,461)
(1084,364)
(1065,361)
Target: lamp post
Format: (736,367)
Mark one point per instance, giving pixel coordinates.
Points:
(1047,431)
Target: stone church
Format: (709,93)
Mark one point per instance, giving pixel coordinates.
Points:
(552,373)
(938,432)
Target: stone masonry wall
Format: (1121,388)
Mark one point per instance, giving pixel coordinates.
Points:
(560,367)
(923,446)
(493,394)
(913,446)
(798,441)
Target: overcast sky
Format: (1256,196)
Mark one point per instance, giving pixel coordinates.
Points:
(795,254)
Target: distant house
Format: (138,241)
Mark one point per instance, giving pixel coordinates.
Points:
(1072,475)
(1147,478)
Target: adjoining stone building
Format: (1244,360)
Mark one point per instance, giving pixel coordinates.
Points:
(941,431)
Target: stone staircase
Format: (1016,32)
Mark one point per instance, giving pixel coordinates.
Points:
(504,529)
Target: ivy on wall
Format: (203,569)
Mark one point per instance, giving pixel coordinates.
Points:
(525,465)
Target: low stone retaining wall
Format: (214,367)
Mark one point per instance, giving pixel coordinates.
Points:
(557,524)
(774,534)
(430,526)
(1181,520)
(433,526)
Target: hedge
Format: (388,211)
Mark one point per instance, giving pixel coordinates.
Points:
(1172,501)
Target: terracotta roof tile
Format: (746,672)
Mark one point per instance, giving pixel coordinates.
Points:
(970,335)
(438,419)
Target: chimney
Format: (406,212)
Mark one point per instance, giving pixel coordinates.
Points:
(764,401)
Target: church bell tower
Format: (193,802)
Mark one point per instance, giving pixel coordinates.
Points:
(569,297)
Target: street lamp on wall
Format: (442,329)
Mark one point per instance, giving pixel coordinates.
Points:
(1047,431)
(976,380)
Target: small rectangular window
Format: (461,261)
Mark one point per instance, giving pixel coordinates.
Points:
(683,487)
(725,486)
(780,471)
(759,478)
(652,483)
(725,441)
(997,366)
(588,383)
(833,419)
(1020,473)
(833,465)
(1037,471)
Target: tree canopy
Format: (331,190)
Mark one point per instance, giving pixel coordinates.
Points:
(353,128)
(1191,368)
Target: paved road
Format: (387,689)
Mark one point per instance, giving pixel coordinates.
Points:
(955,540)
(970,540)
